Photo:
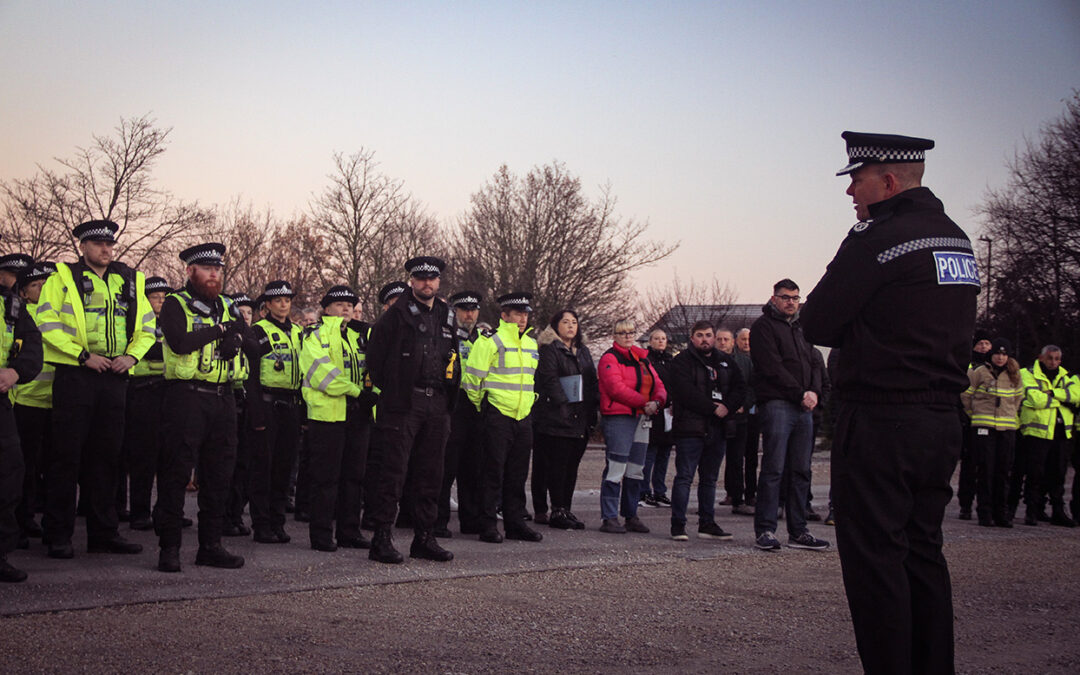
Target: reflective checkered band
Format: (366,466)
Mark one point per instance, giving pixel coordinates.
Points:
(467,300)
(423,267)
(281,290)
(212,256)
(97,232)
(341,294)
(396,290)
(16,262)
(922,244)
(240,298)
(882,154)
(155,286)
(515,301)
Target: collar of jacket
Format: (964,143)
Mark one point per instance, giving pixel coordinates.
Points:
(657,356)
(413,316)
(916,195)
(511,333)
(772,312)
(285,326)
(1039,373)
(634,352)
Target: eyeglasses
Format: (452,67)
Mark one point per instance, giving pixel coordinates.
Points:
(625,333)
(787,298)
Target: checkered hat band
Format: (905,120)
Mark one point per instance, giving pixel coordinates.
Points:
(467,300)
(515,301)
(425,267)
(882,154)
(17,262)
(97,232)
(157,286)
(213,256)
(281,290)
(397,290)
(340,294)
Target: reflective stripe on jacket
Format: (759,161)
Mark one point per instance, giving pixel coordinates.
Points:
(1045,400)
(205,364)
(502,367)
(284,350)
(992,402)
(333,367)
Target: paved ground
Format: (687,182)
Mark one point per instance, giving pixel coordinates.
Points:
(579,601)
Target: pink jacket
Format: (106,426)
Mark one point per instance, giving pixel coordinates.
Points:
(619,382)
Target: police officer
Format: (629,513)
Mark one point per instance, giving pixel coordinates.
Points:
(96,324)
(12,268)
(238,487)
(20,362)
(274,411)
(462,461)
(203,336)
(142,431)
(413,362)
(339,397)
(499,379)
(33,412)
(899,299)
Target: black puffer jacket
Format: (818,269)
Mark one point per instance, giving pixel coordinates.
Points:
(552,413)
(694,378)
(661,361)
(783,366)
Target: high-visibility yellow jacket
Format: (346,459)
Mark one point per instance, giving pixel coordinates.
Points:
(38,392)
(153,362)
(992,402)
(90,314)
(333,361)
(502,367)
(284,350)
(1044,401)
(205,364)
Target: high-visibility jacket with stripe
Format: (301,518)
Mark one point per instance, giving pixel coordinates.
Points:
(280,367)
(1044,401)
(333,363)
(90,314)
(38,392)
(992,402)
(153,362)
(502,367)
(205,364)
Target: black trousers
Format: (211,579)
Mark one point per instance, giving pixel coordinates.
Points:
(413,443)
(462,463)
(33,426)
(198,426)
(303,479)
(273,453)
(750,456)
(993,459)
(88,433)
(504,467)
(338,460)
(562,459)
(891,466)
(241,475)
(1046,462)
(734,466)
(965,492)
(142,444)
(11,477)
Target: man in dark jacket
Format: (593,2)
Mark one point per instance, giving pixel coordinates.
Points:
(787,383)
(737,429)
(660,439)
(706,387)
(413,361)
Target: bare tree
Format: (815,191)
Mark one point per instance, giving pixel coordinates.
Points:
(371,225)
(541,233)
(676,306)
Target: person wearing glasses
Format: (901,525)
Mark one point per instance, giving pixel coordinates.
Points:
(787,384)
(631,392)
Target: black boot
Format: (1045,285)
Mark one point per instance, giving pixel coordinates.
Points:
(169,559)
(9,573)
(217,556)
(382,547)
(424,545)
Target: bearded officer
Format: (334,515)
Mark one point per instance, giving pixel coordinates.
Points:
(203,335)
(899,300)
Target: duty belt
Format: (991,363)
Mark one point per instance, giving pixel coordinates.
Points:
(145,381)
(428,391)
(207,388)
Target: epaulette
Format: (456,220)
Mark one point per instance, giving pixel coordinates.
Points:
(860,227)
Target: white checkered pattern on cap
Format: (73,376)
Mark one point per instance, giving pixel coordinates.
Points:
(423,267)
(341,294)
(515,301)
(17,262)
(156,286)
(883,154)
(468,299)
(204,255)
(280,290)
(96,232)
(920,245)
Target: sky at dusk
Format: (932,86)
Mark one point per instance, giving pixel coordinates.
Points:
(718,123)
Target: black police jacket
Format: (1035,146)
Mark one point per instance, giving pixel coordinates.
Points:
(25,357)
(394,360)
(552,413)
(899,299)
(694,378)
(783,365)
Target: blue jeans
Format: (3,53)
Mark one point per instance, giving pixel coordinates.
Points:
(655,473)
(625,460)
(703,455)
(787,438)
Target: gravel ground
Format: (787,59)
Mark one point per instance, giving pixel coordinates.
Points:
(737,611)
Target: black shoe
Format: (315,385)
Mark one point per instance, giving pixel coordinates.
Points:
(523,533)
(711,530)
(612,526)
(169,559)
(62,551)
(302,516)
(578,523)
(426,547)
(279,532)
(357,541)
(142,523)
(186,522)
(9,573)
(217,556)
(662,500)
(31,529)
(634,524)
(235,530)
(116,545)
(1061,520)
(324,545)
(442,532)
(382,548)
(561,521)
(262,536)
(491,536)
(678,532)
(965,514)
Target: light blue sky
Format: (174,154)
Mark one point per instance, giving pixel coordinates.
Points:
(718,122)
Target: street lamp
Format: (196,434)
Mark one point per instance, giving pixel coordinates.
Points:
(989,257)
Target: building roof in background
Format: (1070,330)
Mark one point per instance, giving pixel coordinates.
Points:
(676,322)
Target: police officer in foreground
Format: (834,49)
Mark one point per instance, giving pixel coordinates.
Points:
(20,361)
(96,324)
(899,299)
(412,357)
(462,461)
(203,335)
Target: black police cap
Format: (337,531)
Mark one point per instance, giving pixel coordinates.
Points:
(425,267)
(39,270)
(277,289)
(338,294)
(466,299)
(16,262)
(210,253)
(243,299)
(157,285)
(516,300)
(96,230)
(863,148)
(394,288)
